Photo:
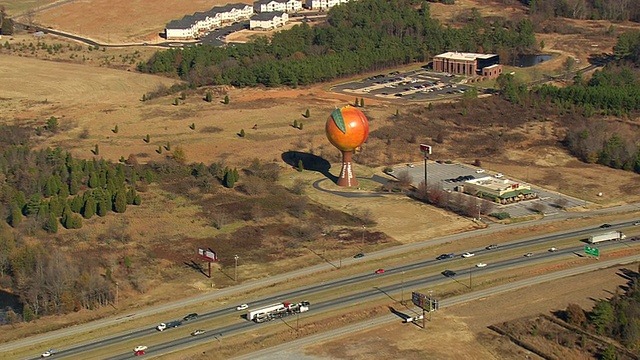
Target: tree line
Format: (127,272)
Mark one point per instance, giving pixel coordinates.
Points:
(359,37)
(615,10)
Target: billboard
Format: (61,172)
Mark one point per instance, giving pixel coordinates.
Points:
(420,300)
(208,254)
(426,149)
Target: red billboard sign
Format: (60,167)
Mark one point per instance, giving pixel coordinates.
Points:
(208,255)
(426,149)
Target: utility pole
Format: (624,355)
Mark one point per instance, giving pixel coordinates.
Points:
(470,271)
(402,293)
(117,293)
(363,228)
(235,273)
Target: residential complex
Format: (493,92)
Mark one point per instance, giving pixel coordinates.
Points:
(193,26)
(268,20)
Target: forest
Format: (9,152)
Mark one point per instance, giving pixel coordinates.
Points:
(615,10)
(358,37)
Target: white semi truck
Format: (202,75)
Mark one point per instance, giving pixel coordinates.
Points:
(276,311)
(611,235)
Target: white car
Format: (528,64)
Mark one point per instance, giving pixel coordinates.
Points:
(636,223)
(498,175)
(197,332)
(468,255)
(481,265)
(553,249)
(242,307)
(48,353)
(139,348)
(161,327)
(479,171)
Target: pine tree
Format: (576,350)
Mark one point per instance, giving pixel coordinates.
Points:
(356,103)
(94,181)
(74,186)
(104,206)
(15,217)
(147,138)
(242,133)
(430,107)
(361,102)
(131,195)
(208,96)
(27,313)
(226,99)
(307,114)
(89,208)
(115,129)
(96,150)
(183,96)
(192,126)
(137,200)
(76,204)
(295,124)
(300,165)
(176,101)
(51,224)
(300,125)
(120,203)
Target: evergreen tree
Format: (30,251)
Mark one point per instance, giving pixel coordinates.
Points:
(295,124)
(300,165)
(74,186)
(307,114)
(89,208)
(242,134)
(120,202)
(104,206)
(137,200)
(226,99)
(15,217)
(94,181)
(131,194)
(208,97)
(51,224)
(76,204)
(115,129)
(27,313)
(361,102)
(300,125)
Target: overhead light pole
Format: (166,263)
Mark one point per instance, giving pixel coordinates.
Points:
(363,228)
(235,272)
(426,150)
(402,291)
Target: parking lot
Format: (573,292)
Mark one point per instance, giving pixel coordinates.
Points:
(413,85)
(443,175)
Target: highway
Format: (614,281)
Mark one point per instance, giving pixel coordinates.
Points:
(306,293)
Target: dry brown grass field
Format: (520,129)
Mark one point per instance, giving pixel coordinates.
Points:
(90,99)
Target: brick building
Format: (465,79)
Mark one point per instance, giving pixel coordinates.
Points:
(469,64)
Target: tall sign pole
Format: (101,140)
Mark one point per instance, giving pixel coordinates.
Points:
(426,151)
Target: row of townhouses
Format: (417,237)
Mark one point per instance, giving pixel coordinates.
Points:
(265,14)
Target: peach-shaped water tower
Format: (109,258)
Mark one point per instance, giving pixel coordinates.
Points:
(347,129)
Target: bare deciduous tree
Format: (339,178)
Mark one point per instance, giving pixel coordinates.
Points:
(404,179)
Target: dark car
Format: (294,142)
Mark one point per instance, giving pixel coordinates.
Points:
(449,273)
(445,256)
(190,317)
(491,247)
(604,226)
(358,256)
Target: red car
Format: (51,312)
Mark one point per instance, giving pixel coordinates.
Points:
(139,353)
(379,271)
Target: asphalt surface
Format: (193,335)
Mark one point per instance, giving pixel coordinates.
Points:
(306,292)
(292,349)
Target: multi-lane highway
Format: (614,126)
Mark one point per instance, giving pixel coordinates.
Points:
(432,278)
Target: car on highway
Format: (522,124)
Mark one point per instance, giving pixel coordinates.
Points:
(192,316)
(481,265)
(636,223)
(139,348)
(449,273)
(48,353)
(445,256)
(479,171)
(529,254)
(358,256)
(553,249)
(168,325)
(491,247)
(242,307)
(139,353)
(197,332)
(604,226)
(498,175)
(468,255)
(379,271)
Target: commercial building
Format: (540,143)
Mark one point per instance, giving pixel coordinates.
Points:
(469,64)
(503,191)
(268,21)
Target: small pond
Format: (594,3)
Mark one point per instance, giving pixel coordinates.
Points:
(530,60)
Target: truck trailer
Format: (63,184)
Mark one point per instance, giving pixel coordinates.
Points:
(276,311)
(611,235)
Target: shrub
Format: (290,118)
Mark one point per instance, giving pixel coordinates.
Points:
(176,101)
(192,126)
(115,129)
(226,99)
(500,215)
(242,134)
